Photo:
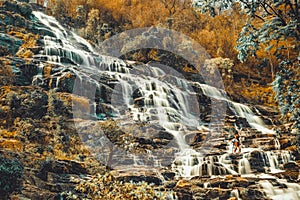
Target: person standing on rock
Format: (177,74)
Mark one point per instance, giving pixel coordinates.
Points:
(236,143)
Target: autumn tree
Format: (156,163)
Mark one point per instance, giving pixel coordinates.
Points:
(93,26)
(59,9)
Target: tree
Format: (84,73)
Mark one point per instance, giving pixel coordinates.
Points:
(273,27)
(93,24)
(59,9)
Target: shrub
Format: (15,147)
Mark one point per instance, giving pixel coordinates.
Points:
(106,186)
(11,173)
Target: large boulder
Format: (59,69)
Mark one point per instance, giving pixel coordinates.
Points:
(21,8)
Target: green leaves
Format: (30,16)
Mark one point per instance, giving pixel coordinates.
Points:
(11,171)
(247,43)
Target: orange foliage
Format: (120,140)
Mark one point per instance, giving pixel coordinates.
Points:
(14,145)
(7,134)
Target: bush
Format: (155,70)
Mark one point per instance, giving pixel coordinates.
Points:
(106,186)
(11,173)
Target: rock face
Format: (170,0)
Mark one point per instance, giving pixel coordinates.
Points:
(131,119)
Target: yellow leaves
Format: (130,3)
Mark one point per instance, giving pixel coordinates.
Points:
(5,90)
(17,34)
(7,134)
(24,53)
(11,144)
(59,154)
(80,188)
(153,54)
(263,94)
(105,186)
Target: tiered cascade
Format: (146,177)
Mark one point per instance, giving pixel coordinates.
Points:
(147,94)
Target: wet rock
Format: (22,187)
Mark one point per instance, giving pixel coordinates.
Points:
(16,7)
(252,193)
(140,102)
(60,167)
(285,142)
(242,122)
(258,161)
(165,135)
(184,194)
(216,193)
(10,43)
(170,184)
(137,179)
(27,72)
(168,175)
(291,166)
(66,84)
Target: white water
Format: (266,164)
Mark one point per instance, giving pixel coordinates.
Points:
(192,164)
(169,105)
(238,108)
(235,193)
(287,191)
(244,165)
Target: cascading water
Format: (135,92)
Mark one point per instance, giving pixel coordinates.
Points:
(278,190)
(244,165)
(147,94)
(158,100)
(238,108)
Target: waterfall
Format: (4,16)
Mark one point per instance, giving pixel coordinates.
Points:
(161,98)
(280,189)
(147,94)
(244,165)
(241,110)
(191,164)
